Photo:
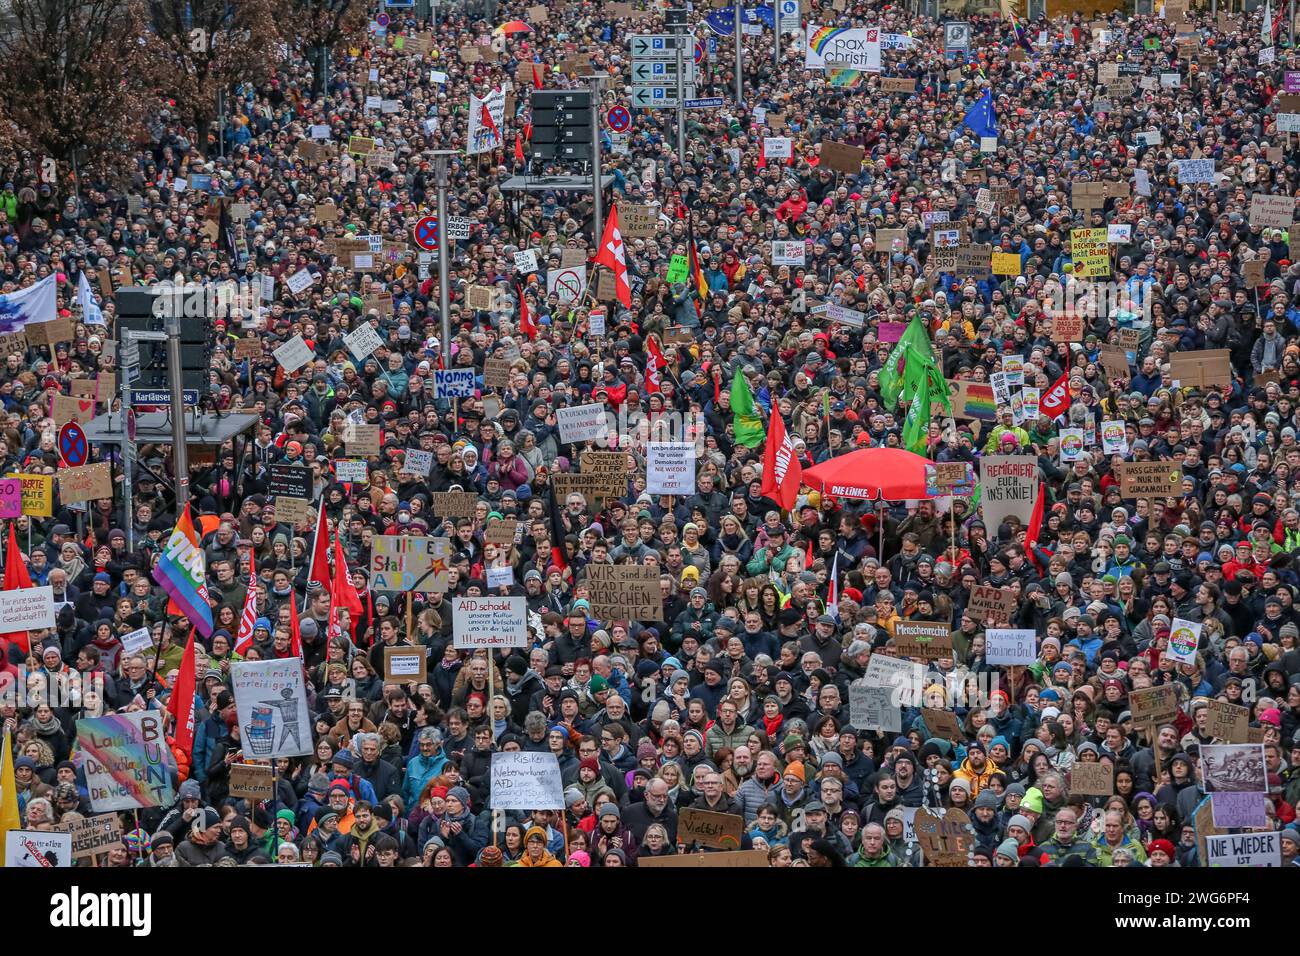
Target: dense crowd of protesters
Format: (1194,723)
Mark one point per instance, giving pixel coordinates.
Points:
(736,698)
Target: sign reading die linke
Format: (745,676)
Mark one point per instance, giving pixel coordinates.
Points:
(928,640)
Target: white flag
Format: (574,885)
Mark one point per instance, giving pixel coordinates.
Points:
(486,118)
(90,311)
(36,303)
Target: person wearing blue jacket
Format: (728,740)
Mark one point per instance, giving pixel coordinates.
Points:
(423,767)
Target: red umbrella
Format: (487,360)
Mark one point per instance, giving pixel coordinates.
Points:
(871,474)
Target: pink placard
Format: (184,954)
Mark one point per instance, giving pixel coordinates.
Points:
(891,331)
(1291,81)
(11,498)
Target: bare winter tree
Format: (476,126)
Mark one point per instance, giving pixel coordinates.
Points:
(75,75)
(319,27)
(209,46)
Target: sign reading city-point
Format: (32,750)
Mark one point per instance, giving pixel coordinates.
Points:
(426,233)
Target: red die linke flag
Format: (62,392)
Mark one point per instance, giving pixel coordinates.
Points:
(782,473)
(181,703)
(16,577)
(1056,400)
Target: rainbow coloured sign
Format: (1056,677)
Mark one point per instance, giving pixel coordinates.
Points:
(126,761)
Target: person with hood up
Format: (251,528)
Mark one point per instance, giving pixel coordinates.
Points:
(535,852)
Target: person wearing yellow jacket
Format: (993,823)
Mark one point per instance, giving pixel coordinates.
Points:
(977,769)
(535,852)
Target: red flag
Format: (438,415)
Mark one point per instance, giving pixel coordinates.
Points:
(537,80)
(16,577)
(519,149)
(1056,400)
(782,472)
(526,323)
(181,703)
(762,155)
(656,354)
(344,593)
(1035,526)
(320,548)
(652,385)
(611,254)
(244,639)
(486,120)
(295,629)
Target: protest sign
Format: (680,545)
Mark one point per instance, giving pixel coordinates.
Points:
(904,679)
(45,849)
(670,468)
(363,440)
(1233,768)
(1201,369)
(126,761)
(1227,722)
(408,563)
(489,622)
(134,642)
(351,469)
(1153,705)
(579,423)
(1184,636)
(974,400)
(294,354)
(252,781)
(721,831)
(730,859)
(986,601)
(496,372)
(1114,437)
(1244,849)
(1090,252)
(929,640)
(1140,479)
(37,494)
(417,461)
(454,504)
(526,781)
(1238,809)
(625,591)
(271,702)
(69,408)
(1276,212)
(1010,485)
(1010,646)
(500,533)
(636,221)
(500,576)
(289,481)
(1092,779)
(362,340)
(946,841)
(404,664)
(943,723)
(870,708)
(94,835)
(841,157)
(86,483)
(27,609)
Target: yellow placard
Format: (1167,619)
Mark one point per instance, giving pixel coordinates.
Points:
(38,494)
(1090,253)
(1006,263)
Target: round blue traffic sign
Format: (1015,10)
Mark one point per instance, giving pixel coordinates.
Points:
(619,119)
(426,233)
(73,447)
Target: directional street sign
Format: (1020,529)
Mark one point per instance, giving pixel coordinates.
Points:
(162,396)
(653,44)
(708,103)
(659,71)
(654,97)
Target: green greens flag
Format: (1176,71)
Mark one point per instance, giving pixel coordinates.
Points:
(744,417)
(677,268)
(917,425)
(891,374)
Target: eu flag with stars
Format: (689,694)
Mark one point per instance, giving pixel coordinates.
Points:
(980,119)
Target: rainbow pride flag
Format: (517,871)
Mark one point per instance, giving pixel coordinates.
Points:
(180,573)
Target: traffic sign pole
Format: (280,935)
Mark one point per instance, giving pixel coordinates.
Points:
(597,195)
(740,57)
(681,97)
(440,159)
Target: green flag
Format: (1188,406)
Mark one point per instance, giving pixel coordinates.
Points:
(744,417)
(891,374)
(917,425)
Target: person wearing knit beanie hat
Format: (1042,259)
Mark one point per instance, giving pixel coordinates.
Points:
(796,769)
(1021,821)
(491,856)
(1032,802)
(579,858)
(330,858)
(1008,853)
(1160,853)
(693,733)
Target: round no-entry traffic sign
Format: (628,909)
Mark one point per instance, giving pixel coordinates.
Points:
(382,19)
(619,119)
(73,448)
(700,50)
(426,233)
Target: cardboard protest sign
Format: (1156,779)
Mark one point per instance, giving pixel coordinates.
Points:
(454,504)
(841,157)
(1092,779)
(496,621)
(500,533)
(50,333)
(126,761)
(403,664)
(1140,479)
(929,640)
(1153,705)
(252,781)
(1010,485)
(986,600)
(637,221)
(361,440)
(69,408)
(526,781)
(271,701)
(727,858)
(870,708)
(94,835)
(624,591)
(1228,722)
(721,831)
(946,840)
(578,423)
(409,563)
(1201,369)
(86,483)
(943,723)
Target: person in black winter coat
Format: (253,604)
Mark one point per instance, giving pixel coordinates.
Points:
(476,766)
(383,776)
